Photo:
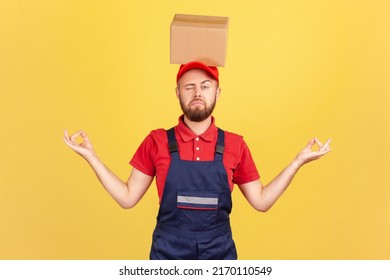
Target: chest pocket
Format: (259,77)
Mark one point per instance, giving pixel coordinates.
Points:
(198,200)
(198,209)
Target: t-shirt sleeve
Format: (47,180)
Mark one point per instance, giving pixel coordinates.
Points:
(143,157)
(246,170)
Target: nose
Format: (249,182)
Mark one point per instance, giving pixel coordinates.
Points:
(198,91)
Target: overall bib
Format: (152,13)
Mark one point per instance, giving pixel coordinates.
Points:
(193,220)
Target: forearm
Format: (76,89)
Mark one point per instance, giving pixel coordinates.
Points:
(262,198)
(271,192)
(277,186)
(112,183)
(125,194)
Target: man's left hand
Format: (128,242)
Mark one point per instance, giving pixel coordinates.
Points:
(307,154)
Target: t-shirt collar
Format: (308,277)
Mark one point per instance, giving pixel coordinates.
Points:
(187,134)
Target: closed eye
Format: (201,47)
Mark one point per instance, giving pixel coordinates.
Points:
(189,88)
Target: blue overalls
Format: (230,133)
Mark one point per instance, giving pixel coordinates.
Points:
(193,220)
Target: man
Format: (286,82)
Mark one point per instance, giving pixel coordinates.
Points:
(196,165)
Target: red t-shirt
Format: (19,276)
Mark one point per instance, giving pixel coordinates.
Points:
(153,157)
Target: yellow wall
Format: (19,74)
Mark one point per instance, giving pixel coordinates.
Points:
(295,69)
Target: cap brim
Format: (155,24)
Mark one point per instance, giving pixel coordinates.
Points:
(211,70)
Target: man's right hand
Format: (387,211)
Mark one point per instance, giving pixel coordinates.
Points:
(85,148)
(125,194)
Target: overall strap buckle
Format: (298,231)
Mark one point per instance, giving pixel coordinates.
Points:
(172,143)
(220,147)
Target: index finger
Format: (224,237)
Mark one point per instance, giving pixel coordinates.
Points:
(326,145)
(77,134)
(66,133)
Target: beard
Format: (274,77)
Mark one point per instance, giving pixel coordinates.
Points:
(197,114)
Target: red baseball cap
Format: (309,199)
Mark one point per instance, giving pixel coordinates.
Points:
(211,70)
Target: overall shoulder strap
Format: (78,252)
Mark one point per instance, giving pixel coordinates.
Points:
(172,143)
(220,147)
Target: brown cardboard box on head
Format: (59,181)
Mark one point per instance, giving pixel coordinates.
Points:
(200,38)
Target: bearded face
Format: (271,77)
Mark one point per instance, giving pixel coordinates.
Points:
(197,110)
(197,93)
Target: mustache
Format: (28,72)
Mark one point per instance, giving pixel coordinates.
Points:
(197,100)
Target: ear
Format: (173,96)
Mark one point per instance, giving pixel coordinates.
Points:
(177,92)
(218,92)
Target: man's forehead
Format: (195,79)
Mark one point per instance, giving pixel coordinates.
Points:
(193,82)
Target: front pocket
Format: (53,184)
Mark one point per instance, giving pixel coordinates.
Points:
(197,200)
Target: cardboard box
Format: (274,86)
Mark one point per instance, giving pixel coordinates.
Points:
(201,38)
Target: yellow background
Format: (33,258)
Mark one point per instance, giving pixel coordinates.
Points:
(295,69)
